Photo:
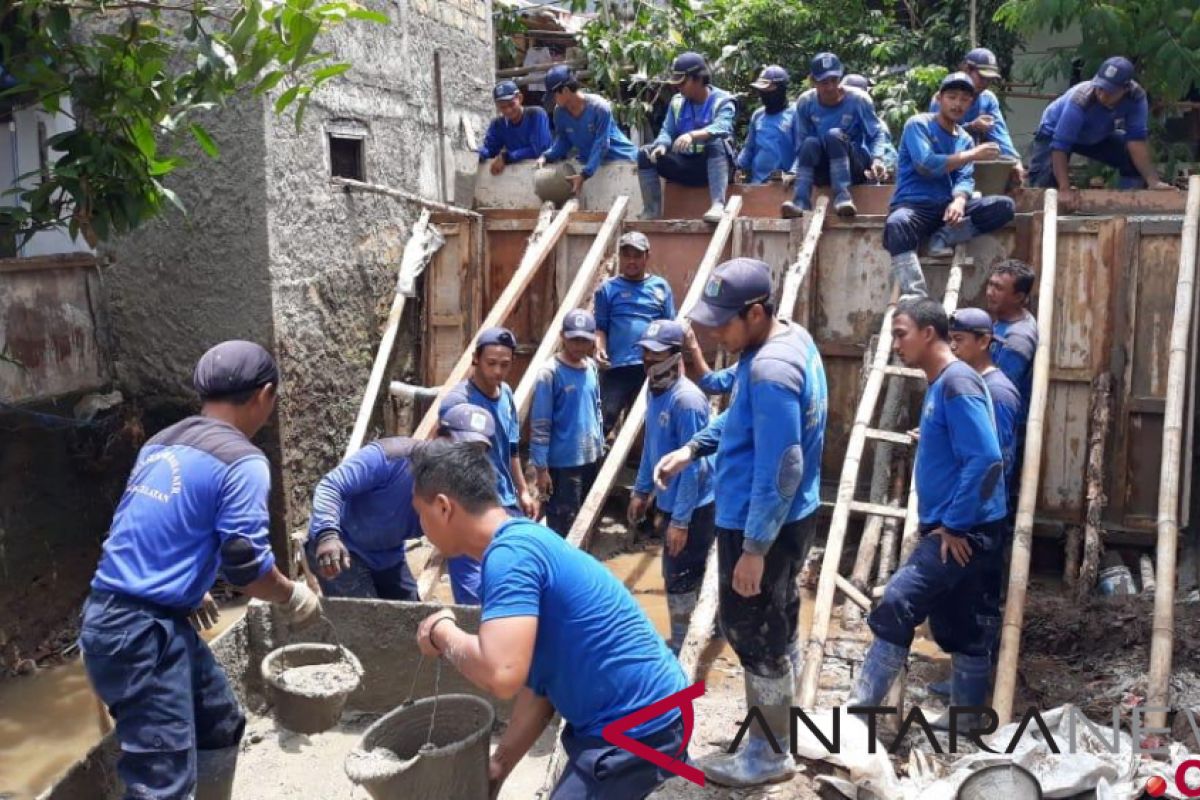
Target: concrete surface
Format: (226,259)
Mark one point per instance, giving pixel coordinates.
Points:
(513,188)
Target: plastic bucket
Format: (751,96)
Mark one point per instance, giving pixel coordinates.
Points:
(991,177)
(1116,580)
(1001,780)
(393,763)
(551,184)
(303,708)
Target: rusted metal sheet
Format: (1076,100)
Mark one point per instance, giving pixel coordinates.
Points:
(50,340)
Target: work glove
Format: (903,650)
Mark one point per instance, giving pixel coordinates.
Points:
(205,615)
(303,607)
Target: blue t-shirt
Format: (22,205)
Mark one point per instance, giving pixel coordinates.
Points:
(565,425)
(855,116)
(770,439)
(770,144)
(596,657)
(506,443)
(924,148)
(593,135)
(1006,407)
(986,103)
(367,499)
(673,417)
(960,470)
(1078,117)
(195,503)
(625,308)
(1014,356)
(524,141)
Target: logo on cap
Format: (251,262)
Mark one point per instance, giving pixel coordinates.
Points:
(827,62)
(652,331)
(713,289)
(1110,71)
(580,320)
(478,421)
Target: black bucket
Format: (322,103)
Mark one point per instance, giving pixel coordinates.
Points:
(392,761)
(307,711)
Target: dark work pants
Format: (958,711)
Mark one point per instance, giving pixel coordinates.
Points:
(163,687)
(991,612)
(685,572)
(908,225)
(687,169)
(1111,150)
(597,770)
(762,629)
(818,151)
(394,583)
(571,486)
(619,387)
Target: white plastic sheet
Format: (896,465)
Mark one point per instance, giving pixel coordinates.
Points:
(422,244)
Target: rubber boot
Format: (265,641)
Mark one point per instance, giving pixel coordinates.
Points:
(651,193)
(214,773)
(680,606)
(941,244)
(797,659)
(906,271)
(757,763)
(882,664)
(968,687)
(718,177)
(802,196)
(839,176)
(714,213)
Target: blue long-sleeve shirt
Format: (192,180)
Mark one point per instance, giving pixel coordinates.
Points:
(625,308)
(986,103)
(1014,356)
(367,499)
(673,417)
(770,144)
(565,425)
(715,116)
(960,469)
(923,178)
(719,381)
(1078,117)
(594,135)
(505,444)
(854,115)
(524,141)
(195,504)
(1006,408)
(769,441)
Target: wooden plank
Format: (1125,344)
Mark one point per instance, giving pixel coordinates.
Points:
(889,436)
(876,509)
(797,273)
(854,593)
(56,261)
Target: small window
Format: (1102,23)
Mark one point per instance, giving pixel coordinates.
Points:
(346,157)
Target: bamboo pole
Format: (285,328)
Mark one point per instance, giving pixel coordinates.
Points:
(400,194)
(1161,639)
(1031,468)
(1093,533)
(592,264)
(797,273)
(581,530)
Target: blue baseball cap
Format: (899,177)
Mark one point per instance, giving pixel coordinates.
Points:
(232,367)
(661,335)
(686,64)
(957,80)
(738,283)
(500,336)
(557,77)
(971,320)
(771,75)
(825,65)
(984,61)
(579,324)
(505,90)
(1115,74)
(467,423)
(856,81)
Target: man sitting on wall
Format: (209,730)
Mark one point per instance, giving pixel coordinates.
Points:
(518,134)
(770,140)
(984,120)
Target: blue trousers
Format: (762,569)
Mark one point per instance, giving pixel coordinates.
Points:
(685,572)
(394,583)
(1111,150)
(571,486)
(952,597)
(163,687)
(619,387)
(465,573)
(597,770)
(817,152)
(908,225)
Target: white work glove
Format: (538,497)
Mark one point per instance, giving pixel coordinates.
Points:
(303,606)
(658,151)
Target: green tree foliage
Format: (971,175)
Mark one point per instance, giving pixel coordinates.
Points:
(136,73)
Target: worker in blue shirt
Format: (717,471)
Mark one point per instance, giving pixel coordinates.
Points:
(962,512)
(519,133)
(362,513)
(984,119)
(1015,339)
(557,632)
(1103,119)
(566,428)
(625,304)
(583,124)
(693,146)
(768,445)
(770,141)
(836,128)
(676,411)
(195,505)
(486,388)
(934,189)
(853,80)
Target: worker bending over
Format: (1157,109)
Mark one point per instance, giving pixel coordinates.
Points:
(984,119)
(517,134)
(584,125)
(770,148)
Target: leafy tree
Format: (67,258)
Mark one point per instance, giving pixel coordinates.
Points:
(135,73)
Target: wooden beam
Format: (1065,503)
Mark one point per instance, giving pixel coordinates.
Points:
(592,264)
(797,273)
(400,194)
(56,261)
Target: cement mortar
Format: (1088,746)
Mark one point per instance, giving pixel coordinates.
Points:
(319,680)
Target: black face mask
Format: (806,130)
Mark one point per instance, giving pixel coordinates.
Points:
(775,100)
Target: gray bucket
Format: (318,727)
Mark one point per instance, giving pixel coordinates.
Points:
(391,764)
(991,177)
(551,184)
(1001,780)
(309,709)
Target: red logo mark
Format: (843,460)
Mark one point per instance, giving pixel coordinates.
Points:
(614,733)
(1157,786)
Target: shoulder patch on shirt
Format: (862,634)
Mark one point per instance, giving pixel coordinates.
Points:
(960,380)
(1002,390)
(776,368)
(220,440)
(1083,94)
(397,447)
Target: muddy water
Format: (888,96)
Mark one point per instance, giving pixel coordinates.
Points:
(50,719)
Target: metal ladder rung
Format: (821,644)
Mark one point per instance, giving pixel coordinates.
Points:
(903,372)
(877,510)
(889,436)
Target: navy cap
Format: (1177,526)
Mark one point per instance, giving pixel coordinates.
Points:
(1114,74)
(233,367)
(984,61)
(771,75)
(826,65)
(734,285)
(579,324)
(856,81)
(957,80)
(557,77)
(686,64)
(500,336)
(971,320)
(635,239)
(661,335)
(505,90)
(467,423)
